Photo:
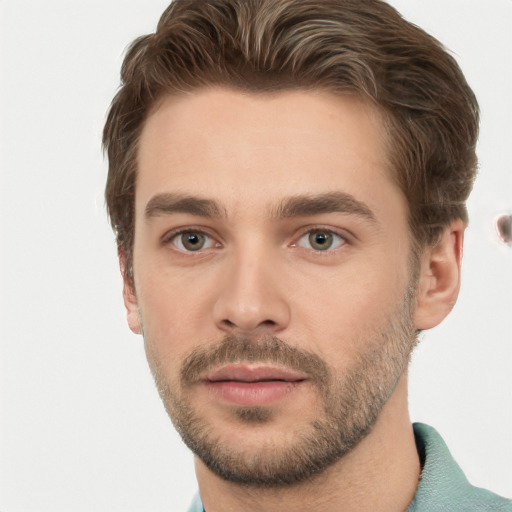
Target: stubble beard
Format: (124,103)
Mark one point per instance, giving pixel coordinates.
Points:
(348,407)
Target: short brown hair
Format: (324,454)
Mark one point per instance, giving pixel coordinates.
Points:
(361,47)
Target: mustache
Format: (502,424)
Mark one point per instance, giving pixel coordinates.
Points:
(243,349)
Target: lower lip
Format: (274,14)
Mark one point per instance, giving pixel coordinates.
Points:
(252,393)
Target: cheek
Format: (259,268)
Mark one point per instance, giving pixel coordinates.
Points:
(338,312)
(175,309)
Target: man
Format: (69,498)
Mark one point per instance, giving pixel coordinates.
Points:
(287,182)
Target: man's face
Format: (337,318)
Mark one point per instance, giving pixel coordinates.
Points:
(272,277)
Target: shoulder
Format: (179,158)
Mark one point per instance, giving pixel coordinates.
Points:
(443,486)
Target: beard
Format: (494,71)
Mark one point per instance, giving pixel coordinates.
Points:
(348,406)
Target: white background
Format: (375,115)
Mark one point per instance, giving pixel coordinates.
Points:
(82,427)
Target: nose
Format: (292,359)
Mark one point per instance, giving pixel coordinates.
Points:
(252,298)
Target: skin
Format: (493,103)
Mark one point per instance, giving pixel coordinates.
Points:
(258,275)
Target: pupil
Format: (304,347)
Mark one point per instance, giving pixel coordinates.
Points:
(193,241)
(321,240)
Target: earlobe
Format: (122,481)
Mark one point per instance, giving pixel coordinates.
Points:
(129,295)
(439,279)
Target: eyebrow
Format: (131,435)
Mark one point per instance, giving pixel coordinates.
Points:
(331,202)
(167,204)
(295,206)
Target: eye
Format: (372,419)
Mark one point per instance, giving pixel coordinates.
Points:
(321,240)
(192,241)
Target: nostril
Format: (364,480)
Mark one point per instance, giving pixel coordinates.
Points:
(263,325)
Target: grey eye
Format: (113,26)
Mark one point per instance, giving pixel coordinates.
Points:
(192,241)
(321,240)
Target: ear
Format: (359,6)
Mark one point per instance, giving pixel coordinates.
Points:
(129,295)
(439,280)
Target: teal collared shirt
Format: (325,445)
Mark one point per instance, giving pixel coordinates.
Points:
(443,486)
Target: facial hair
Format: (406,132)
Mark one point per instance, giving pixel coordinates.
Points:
(349,403)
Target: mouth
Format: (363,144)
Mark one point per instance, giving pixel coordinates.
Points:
(252,384)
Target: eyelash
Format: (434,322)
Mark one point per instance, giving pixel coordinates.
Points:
(170,237)
(342,239)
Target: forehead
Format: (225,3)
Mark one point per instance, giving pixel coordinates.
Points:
(250,149)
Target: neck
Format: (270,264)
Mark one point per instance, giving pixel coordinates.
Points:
(380,473)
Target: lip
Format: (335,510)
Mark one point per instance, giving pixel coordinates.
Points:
(254,373)
(252,384)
